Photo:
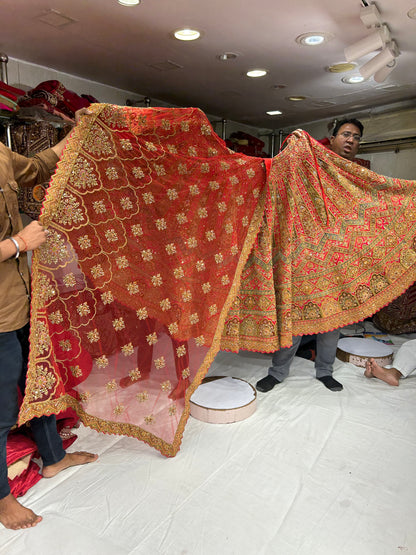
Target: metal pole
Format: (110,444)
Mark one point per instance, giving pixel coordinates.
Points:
(224,126)
(4,77)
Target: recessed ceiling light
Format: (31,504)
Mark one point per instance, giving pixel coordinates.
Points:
(226,56)
(313,39)
(296,98)
(341,67)
(256,73)
(412,13)
(187,34)
(353,79)
(274,113)
(129,2)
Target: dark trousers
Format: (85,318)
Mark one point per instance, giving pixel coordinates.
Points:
(14,351)
(326,350)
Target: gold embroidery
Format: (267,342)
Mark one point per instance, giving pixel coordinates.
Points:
(222,207)
(99,207)
(219,258)
(157,280)
(56,317)
(107,297)
(111,386)
(166,386)
(152,338)
(93,336)
(133,288)
(165,304)
(192,243)
(127,349)
(149,419)
(172,194)
(186,296)
(206,287)
(102,361)
(213,309)
(171,248)
(111,235)
(180,351)
(76,371)
(84,242)
(210,235)
(148,198)
(178,273)
(160,363)
(173,328)
(126,144)
(111,173)
(142,397)
(118,324)
(202,213)
(83,309)
(147,255)
(97,271)
(181,217)
(213,185)
(69,280)
(200,265)
(126,203)
(138,173)
(43,381)
(68,210)
(135,375)
(200,341)
(194,318)
(161,224)
(118,409)
(142,313)
(194,190)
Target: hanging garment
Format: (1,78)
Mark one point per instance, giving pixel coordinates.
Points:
(162,244)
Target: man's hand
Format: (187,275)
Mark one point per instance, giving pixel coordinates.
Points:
(82,112)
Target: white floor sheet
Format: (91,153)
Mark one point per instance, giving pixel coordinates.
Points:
(312,472)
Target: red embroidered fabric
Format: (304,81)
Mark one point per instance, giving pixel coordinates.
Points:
(147,266)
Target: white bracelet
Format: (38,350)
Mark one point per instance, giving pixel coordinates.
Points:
(16,244)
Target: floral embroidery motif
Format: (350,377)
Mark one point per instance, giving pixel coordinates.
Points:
(147,255)
(142,313)
(181,217)
(149,419)
(138,172)
(137,230)
(122,262)
(75,371)
(202,213)
(157,280)
(160,363)
(83,309)
(186,373)
(111,386)
(219,258)
(126,144)
(194,190)
(192,243)
(186,296)
(161,224)
(222,207)
(133,288)
(69,280)
(97,271)
(65,345)
(142,397)
(126,203)
(166,386)
(200,265)
(118,409)
(214,185)
(84,242)
(68,211)
(118,324)
(111,235)
(111,173)
(107,297)
(178,273)
(93,336)
(172,194)
(180,351)
(101,362)
(148,198)
(200,341)
(165,304)
(82,175)
(99,207)
(171,248)
(127,349)
(152,338)
(56,317)
(210,235)
(206,287)
(194,318)
(173,328)
(43,382)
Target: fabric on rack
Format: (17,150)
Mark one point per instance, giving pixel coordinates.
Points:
(400,315)
(55,98)
(151,223)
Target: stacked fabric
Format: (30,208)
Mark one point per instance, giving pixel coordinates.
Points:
(9,96)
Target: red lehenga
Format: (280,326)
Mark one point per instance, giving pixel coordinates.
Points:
(164,245)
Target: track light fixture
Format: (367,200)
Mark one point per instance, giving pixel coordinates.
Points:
(382,64)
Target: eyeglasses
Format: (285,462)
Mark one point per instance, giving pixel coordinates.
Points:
(348,134)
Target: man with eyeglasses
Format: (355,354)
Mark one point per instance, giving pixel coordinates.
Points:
(346,138)
(345,142)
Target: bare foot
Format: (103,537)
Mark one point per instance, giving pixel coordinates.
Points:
(70,459)
(367,372)
(14,516)
(388,375)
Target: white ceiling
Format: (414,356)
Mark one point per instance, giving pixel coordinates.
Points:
(119,45)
